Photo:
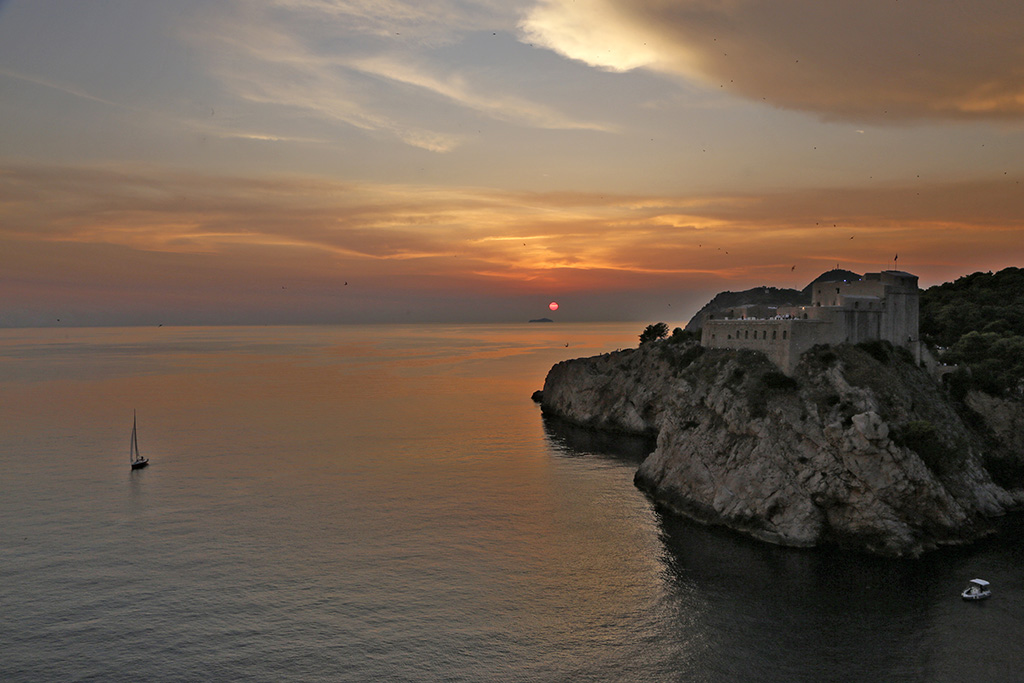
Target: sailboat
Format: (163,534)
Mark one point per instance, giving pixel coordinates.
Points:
(134,457)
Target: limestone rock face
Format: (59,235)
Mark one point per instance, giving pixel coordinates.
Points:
(860,449)
(1004,418)
(1003,421)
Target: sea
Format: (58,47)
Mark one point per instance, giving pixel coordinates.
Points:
(387,503)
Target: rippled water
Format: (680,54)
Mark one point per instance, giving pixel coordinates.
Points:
(386,503)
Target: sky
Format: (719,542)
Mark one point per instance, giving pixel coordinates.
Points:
(342,161)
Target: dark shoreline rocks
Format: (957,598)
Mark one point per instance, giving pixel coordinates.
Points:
(860,448)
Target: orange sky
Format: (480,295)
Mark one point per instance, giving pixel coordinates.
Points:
(343,161)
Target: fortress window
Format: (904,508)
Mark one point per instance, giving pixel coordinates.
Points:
(805,316)
(775,334)
(856,304)
(764,335)
(746,335)
(728,336)
(783,334)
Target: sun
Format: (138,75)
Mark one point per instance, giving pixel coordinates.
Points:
(553,305)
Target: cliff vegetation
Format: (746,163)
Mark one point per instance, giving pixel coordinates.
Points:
(977,322)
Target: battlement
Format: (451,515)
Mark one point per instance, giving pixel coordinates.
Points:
(878,306)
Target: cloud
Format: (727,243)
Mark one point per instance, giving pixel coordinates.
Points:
(106,234)
(863,60)
(595,32)
(374,66)
(456,88)
(270,65)
(61,87)
(434,22)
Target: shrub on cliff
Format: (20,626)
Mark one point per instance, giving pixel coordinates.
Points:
(770,384)
(778,381)
(822,354)
(654,332)
(681,336)
(879,349)
(921,437)
(682,356)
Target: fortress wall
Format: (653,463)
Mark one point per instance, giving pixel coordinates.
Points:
(825,294)
(833,293)
(758,335)
(900,324)
(881,306)
(864,288)
(901,321)
(860,325)
(783,340)
(751,311)
(806,312)
(804,335)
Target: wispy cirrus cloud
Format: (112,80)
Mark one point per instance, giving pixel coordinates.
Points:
(369,65)
(432,22)
(68,88)
(456,88)
(265,64)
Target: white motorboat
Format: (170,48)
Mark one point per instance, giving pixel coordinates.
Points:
(977,589)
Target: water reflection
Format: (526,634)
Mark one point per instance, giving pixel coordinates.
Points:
(738,609)
(566,438)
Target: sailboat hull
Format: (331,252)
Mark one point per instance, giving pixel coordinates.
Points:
(139,464)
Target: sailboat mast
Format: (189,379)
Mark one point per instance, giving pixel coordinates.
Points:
(133,450)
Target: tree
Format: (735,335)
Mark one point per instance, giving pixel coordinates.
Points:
(681,336)
(654,333)
(980,319)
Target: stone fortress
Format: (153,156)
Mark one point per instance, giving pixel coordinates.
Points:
(878,306)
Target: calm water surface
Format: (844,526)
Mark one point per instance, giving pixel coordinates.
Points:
(386,503)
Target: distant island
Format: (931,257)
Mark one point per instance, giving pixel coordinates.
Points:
(873,444)
(542,320)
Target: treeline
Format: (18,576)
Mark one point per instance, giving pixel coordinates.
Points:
(977,322)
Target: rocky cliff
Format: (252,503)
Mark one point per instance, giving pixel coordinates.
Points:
(859,448)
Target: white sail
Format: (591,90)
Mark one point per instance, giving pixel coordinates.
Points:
(133,449)
(134,457)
